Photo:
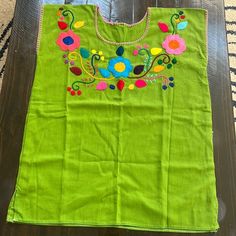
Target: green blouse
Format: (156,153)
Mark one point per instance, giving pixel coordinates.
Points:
(119,128)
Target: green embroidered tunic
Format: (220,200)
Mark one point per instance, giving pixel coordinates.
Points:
(119,129)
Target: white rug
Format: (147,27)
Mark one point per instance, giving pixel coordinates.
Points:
(230,19)
(6,20)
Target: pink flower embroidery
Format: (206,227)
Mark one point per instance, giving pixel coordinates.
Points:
(135,52)
(173,44)
(68,41)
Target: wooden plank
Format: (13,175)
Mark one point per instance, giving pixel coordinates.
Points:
(76,2)
(53,1)
(140,9)
(122,12)
(190,4)
(14,99)
(16,91)
(166,3)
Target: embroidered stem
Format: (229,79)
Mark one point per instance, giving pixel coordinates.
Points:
(176,16)
(166,60)
(148,54)
(165,81)
(96,57)
(156,77)
(75,85)
(94,77)
(66,13)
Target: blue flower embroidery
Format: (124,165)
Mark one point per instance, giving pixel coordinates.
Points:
(120,67)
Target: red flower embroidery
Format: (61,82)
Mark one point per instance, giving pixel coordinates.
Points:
(68,41)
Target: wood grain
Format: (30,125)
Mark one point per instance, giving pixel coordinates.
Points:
(16,91)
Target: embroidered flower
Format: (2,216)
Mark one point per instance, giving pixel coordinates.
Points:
(173,44)
(120,67)
(100,53)
(68,41)
(139,48)
(135,52)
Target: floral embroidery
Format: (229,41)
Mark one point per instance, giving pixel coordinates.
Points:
(78,24)
(119,73)
(120,84)
(176,21)
(120,67)
(101,85)
(100,53)
(163,27)
(182,25)
(62,13)
(173,44)
(68,41)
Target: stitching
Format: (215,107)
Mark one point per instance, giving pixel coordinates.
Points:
(146,17)
(40,28)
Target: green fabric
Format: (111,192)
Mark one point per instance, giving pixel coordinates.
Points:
(139,159)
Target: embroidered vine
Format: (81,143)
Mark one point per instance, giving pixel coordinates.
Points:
(119,72)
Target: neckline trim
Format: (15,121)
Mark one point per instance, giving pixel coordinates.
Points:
(146,18)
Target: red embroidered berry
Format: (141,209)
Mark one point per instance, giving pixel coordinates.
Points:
(62,25)
(182,17)
(120,84)
(79,92)
(140,83)
(68,89)
(72,92)
(76,70)
(163,27)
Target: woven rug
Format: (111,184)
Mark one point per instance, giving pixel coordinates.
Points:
(6,20)
(230,19)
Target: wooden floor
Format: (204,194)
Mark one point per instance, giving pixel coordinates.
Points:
(16,91)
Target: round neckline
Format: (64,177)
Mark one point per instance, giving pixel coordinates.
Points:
(146,18)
